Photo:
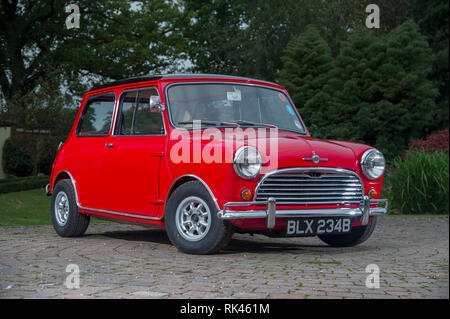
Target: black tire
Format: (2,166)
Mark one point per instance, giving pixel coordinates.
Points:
(75,223)
(358,235)
(219,233)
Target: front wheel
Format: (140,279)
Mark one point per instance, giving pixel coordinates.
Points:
(358,235)
(191,221)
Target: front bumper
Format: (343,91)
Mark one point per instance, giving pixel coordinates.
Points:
(271,213)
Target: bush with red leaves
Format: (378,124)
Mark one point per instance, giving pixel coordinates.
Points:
(432,143)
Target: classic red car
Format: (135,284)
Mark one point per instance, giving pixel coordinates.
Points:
(204,156)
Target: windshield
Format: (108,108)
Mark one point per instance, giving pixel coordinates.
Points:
(225,104)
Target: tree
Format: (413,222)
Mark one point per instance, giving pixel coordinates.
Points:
(379,92)
(432,18)
(215,35)
(248,37)
(42,63)
(307,61)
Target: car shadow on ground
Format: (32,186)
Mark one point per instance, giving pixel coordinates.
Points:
(238,243)
(156,236)
(267,245)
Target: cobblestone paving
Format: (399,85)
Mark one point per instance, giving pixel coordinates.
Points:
(119,261)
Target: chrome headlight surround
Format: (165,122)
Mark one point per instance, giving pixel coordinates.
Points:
(247,162)
(373,164)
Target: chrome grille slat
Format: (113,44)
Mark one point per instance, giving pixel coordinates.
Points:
(308,176)
(314,194)
(318,180)
(311,186)
(324,184)
(290,189)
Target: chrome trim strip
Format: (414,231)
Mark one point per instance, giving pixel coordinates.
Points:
(201,181)
(73,184)
(120,213)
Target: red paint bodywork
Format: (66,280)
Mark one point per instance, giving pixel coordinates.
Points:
(136,175)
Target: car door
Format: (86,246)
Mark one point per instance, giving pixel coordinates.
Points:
(133,155)
(87,147)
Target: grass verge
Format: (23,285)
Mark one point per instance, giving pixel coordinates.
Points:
(27,208)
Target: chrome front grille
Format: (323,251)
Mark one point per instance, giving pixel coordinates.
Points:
(311,186)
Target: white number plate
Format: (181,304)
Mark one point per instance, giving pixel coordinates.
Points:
(318,226)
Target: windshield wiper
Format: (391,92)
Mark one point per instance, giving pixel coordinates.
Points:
(214,123)
(240,122)
(292,131)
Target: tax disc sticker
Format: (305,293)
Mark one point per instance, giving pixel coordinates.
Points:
(297,123)
(234,96)
(289,109)
(282,97)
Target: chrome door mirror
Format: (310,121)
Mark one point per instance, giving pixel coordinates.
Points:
(155,104)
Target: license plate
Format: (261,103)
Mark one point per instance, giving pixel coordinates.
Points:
(318,226)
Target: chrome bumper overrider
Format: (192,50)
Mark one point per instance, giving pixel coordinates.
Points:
(270,213)
(47,190)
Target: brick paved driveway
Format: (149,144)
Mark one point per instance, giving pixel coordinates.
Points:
(130,262)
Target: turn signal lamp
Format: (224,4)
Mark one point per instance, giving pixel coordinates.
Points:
(373,193)
(246,194)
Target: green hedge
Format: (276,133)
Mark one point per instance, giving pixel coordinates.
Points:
(419,184)
(17,157)
(10,185)
(28,155)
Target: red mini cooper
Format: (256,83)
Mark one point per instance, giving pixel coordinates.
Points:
(204,156)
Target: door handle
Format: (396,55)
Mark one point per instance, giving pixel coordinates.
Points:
(109,145)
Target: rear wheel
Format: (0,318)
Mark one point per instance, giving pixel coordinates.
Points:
(191,221)
(358,235)
(66,219)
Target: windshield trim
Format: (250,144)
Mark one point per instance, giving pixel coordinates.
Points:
(302,132)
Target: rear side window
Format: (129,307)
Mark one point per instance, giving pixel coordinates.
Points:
(135,117)
(97,115)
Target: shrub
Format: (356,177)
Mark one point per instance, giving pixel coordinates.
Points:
(23,183)
(48,149)
(419,183)
(26,155)
(17,157)
(432,143)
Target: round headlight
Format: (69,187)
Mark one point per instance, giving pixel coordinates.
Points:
(373,164)
(247,162)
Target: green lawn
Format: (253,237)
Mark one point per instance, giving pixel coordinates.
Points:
(26,208)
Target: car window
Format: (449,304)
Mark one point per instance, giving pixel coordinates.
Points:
(97,115)
(231,102)
(135,116)
(125,119)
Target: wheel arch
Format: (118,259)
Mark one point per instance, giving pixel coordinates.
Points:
(66,175)
(184,179)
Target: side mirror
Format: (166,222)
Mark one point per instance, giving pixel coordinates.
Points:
(155,104)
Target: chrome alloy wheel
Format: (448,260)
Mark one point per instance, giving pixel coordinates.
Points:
(61,208)
(193,218)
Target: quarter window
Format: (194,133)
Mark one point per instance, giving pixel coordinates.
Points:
(96,117)
(135,116)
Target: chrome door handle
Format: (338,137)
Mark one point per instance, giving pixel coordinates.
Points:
(109,145)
